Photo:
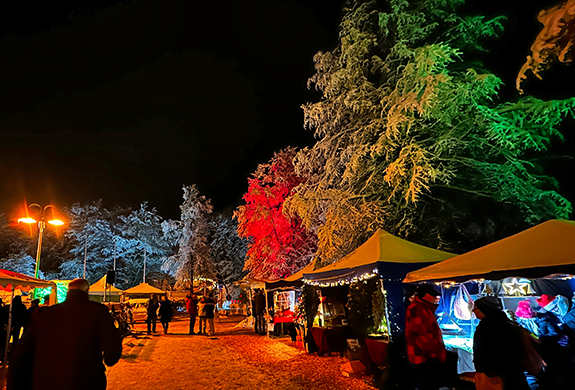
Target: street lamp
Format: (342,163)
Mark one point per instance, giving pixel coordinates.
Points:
(41,226)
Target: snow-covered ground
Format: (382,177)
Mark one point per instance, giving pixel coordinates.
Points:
(233,359)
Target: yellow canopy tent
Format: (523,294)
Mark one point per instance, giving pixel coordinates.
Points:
(543,250)
(142,289)
(383,255)
(101,289)
(293,281)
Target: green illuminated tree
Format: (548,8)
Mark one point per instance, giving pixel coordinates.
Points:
(413,138)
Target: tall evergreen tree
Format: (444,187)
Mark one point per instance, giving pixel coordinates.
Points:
(191,233)
(228,249)
(141,247)
(90,233)
(413,138)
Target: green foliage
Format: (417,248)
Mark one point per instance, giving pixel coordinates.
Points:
(405,125)
(361,314)
(378,312)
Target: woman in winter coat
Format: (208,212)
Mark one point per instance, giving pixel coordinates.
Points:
(165,313)
(498,345)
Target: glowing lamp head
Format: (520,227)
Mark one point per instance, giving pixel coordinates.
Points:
(56,222)
(27,220)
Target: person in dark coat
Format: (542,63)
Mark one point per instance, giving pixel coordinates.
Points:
(192,309)
(497,345)
(555,344)
(209,311)
(34,306)
(19,318)
(152,313)
(66,346)
(165,313)
(260,309)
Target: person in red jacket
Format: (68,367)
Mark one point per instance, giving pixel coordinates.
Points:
(425,349)
(192,309)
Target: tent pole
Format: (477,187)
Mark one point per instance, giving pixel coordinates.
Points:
(267,312)
(7,338)
(385,309)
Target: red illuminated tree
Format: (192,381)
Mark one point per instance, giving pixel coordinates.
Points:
(279,244)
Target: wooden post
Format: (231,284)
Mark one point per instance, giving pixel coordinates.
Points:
(267,312)
(7,344)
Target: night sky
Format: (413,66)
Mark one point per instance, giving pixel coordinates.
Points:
(128,100)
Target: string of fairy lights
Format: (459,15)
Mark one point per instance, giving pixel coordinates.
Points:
(341,282)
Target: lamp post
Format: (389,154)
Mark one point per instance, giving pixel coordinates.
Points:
(41,225)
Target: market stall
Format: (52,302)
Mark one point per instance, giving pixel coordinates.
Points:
(12,281)
(383,256)
(103,292)
(519,268)
(286,293)
(142,290)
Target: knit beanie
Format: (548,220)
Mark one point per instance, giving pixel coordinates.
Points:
(423,289)
(488,305)
(524,310)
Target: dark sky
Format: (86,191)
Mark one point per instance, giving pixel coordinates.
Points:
(128,100)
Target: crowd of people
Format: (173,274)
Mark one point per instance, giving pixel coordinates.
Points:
(203,307)
(83,334)
(522,350)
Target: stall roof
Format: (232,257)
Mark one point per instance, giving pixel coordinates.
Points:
(13,280)
(389,256)
(543,250)
(292,281)
(143,288)
(99,288)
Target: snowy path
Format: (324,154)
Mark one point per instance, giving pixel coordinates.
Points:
(235,359)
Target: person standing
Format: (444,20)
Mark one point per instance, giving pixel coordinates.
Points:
(260,309)
(19,317)
(425,349)
(152,313)
(165,313)
(498,346)
(34,306)
(202,314)
(82,333)
(192,309)
(210,309)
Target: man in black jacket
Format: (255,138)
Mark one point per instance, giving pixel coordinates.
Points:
(67,345)
(260,309)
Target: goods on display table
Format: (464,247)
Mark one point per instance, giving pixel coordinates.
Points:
(524,301)
(521,270)
(283,319)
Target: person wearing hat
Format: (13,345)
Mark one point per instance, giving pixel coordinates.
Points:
(498,345)
(554,342)
(564,310)
(425,349)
